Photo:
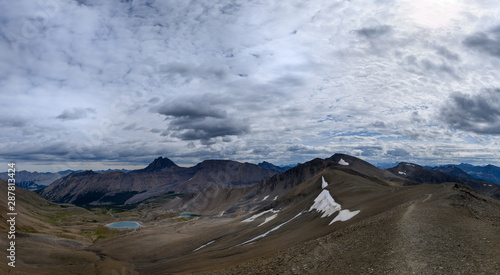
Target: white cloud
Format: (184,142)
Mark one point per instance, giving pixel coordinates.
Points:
(286,81)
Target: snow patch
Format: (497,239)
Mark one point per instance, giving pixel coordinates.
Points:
(269,219)
(209,243)
(275,198)
(343,162)
(265,198)
(344,215)
(402,173)
(252,218)
(222,213)
(325,203)
(265,234)
(324,184)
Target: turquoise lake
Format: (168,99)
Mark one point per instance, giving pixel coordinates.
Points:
(124,224)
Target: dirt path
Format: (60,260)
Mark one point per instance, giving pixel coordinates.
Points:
(442,242)
(410,240)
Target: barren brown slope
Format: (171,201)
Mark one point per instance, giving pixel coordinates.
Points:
(46,242)
(400,229)
(230,201)
(442,229)
(168,248)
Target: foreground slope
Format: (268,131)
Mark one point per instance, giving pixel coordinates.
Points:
(444,229)
(47,239)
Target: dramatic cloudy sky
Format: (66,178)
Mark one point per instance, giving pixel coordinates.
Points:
(99,84)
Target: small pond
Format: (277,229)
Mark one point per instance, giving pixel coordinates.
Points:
(123,224)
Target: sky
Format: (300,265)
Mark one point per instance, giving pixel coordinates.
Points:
(116,84)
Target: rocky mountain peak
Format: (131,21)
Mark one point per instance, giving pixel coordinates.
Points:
(159,164)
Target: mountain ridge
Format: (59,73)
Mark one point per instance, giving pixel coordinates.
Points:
(160,177)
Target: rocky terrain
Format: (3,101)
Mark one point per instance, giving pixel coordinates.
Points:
(339,215)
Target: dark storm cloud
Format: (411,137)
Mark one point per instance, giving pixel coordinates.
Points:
(75,113)
(374,32)
(475,113)
(199,120)
(485,42)
(206,128)
(38,151)
(190,110)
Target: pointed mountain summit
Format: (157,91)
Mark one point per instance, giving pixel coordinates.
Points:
(158,165)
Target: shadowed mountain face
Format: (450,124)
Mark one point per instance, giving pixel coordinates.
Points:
(419,175)
(453,171)
(338,215)
(160,177)
(489,173)
(157,165)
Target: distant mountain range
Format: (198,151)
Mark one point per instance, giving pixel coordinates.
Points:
(489,173)
(271,166)
(38,180)
(163,176)
(34,180)
(160,177)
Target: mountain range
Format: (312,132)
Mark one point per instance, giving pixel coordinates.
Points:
(163,176)
(160,177)
(489,172)
(34,180)
(339,215)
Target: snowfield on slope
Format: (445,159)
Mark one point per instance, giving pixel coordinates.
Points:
(269,219)
(209,243)
(343,162)
(252,218)
(324,203)
(344,215)
(265,234)
(324,184)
